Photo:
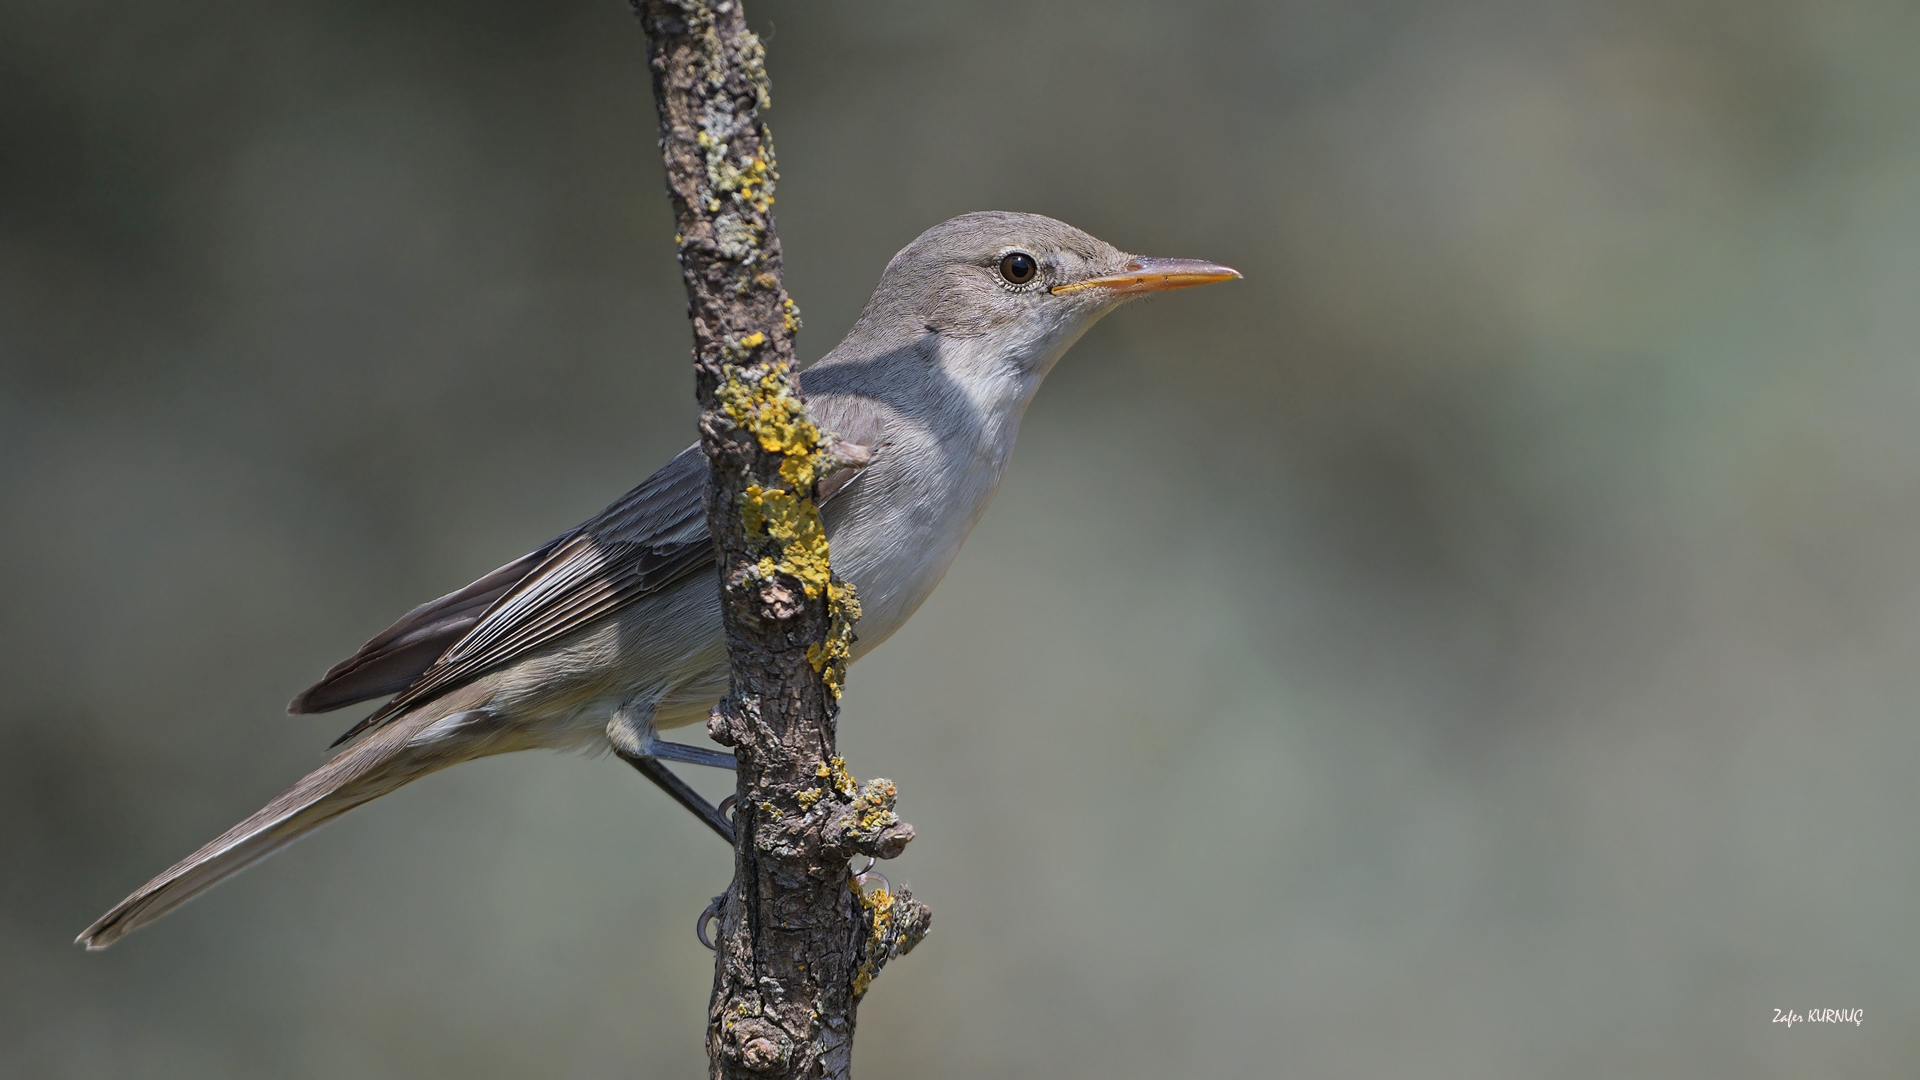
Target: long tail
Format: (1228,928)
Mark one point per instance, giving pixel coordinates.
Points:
(362,772)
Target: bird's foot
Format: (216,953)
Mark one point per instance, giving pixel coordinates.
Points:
(711,913)
(867,879)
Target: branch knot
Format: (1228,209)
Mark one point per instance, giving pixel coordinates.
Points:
(896,922)
(867,824)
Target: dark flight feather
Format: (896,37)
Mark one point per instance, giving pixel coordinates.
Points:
(650,538)
(397,655)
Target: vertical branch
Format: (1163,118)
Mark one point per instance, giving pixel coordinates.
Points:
(799,942)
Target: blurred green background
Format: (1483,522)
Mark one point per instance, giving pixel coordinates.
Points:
(1480,644)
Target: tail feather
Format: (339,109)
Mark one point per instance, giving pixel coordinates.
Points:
(361,773)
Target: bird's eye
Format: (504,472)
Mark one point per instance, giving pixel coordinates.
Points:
(1018,267)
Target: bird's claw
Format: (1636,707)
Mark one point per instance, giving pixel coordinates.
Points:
(711,913)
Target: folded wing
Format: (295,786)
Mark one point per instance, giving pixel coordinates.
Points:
(649,539)
(395,658)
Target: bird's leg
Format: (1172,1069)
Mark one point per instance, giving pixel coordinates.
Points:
(631,733)
(657,771)
(689,755)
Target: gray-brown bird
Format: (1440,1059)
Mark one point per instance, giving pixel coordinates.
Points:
(612,631)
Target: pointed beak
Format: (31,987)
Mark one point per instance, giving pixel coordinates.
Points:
(1144,275)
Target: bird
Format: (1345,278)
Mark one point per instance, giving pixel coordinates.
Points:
(611,632)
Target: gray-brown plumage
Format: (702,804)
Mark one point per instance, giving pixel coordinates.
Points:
(612,630)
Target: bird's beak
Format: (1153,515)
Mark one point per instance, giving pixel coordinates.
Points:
(1153,275)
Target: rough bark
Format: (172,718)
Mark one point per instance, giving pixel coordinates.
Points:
(799,938)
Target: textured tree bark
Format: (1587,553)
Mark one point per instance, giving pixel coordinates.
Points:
(800,940)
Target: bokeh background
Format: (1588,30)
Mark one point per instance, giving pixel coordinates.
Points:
(1482,643)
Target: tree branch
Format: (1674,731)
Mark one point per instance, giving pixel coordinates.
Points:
(799,940)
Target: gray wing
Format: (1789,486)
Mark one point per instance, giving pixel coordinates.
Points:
(650,538)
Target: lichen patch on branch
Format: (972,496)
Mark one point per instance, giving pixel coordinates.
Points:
(769,410)
(830,657)
(896,922)
(785,520)
(836,774)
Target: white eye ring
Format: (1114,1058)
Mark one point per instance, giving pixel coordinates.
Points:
(1018,269)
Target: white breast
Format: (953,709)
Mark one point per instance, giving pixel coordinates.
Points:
(897,527)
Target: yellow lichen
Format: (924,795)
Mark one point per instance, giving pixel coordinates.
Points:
(750,186)
(810,796)
(875,806)
(835,772)
(793,523)
(787,517)
(798,470)
(830,658)
(879,906)
(769,410)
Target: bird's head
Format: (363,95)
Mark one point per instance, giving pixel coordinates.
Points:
(1012,292)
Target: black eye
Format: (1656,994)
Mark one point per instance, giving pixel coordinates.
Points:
(1018,267)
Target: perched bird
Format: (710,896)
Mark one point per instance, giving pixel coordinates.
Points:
(612,630)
